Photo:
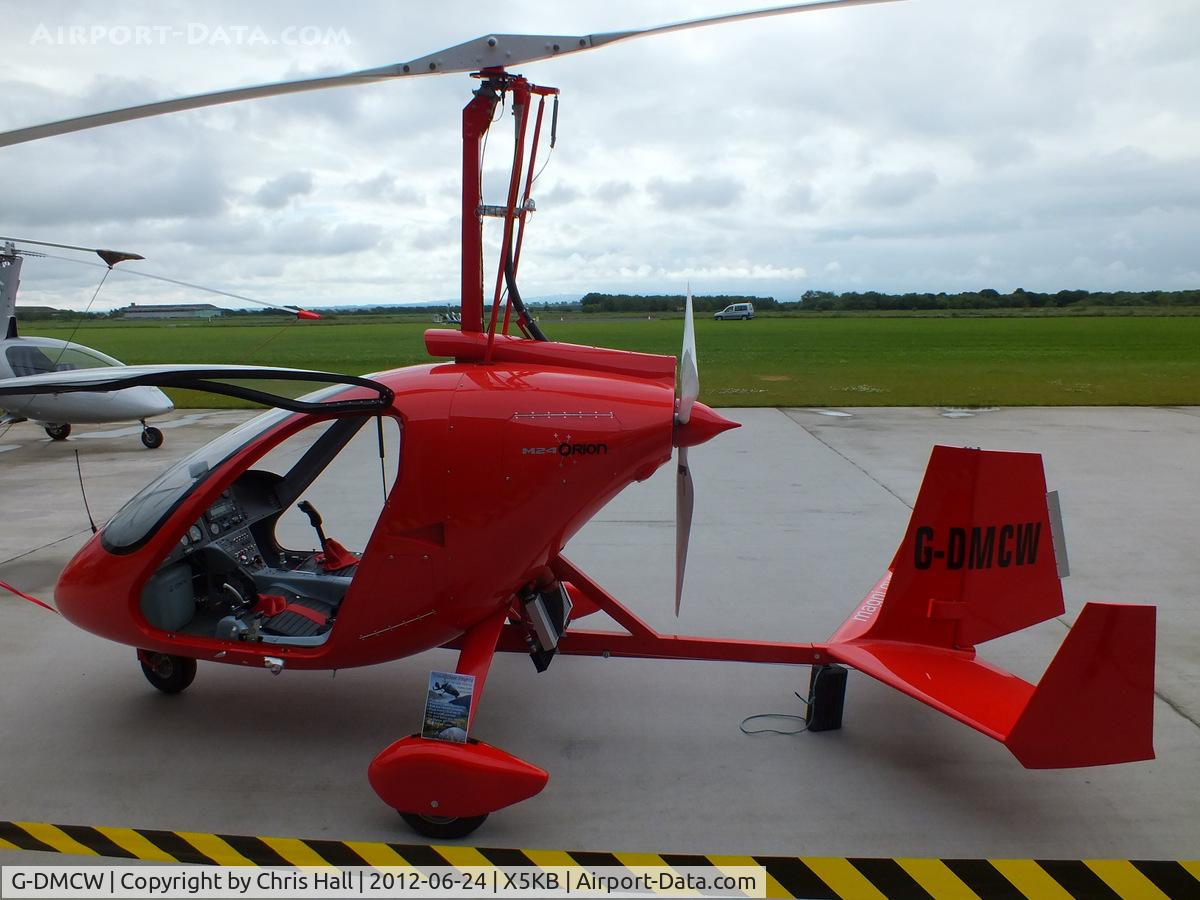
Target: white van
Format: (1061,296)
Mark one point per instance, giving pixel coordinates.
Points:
(736,311)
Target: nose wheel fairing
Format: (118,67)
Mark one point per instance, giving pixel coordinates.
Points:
(421,777)
(446,789)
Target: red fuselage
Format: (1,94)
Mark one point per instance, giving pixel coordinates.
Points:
(500,464)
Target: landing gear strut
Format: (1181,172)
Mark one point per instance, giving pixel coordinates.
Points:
(151,436)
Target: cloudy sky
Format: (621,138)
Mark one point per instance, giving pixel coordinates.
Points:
(918,145)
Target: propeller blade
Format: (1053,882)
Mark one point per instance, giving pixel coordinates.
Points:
(685,501)
(490,51)
(685,493)
(689,374)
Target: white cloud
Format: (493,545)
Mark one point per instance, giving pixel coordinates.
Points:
(889,147)
(888,189)
(279,191)
(696,192)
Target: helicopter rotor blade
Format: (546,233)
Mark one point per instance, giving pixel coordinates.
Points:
(495,51)
(599,40)
(299,312)
(110,257)
(196,101)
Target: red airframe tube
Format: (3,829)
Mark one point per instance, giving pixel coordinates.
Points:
(477,118)
(520,89)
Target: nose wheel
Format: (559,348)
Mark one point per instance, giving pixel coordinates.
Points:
(170,674)
(442,826)
(151,436)
(58,432)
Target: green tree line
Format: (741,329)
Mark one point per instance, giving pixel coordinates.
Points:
(828,301)
(824,301)
(667,302)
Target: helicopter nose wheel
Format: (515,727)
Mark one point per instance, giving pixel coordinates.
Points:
(151,436)
(58,432)
(170,674)
(442,826)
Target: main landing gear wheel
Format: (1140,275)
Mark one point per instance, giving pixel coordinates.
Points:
(151,437)
(170,674)
(58,432)
(442,826)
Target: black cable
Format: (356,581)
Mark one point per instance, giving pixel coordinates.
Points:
(82,316)
(542,169)
(382,468)
(746,730)
(87,509)
(788,716)
(253,353)
(510,277)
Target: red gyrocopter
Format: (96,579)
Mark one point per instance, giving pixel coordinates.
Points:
(507,451)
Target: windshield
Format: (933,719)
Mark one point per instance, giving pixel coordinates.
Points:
(138,519)
(31,359)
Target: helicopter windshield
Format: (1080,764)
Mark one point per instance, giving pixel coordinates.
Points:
(138,519)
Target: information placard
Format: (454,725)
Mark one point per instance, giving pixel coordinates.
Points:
(448,707)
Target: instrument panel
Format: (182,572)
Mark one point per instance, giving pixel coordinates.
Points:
(224,526)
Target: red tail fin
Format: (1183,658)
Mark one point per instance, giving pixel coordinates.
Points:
(977,562)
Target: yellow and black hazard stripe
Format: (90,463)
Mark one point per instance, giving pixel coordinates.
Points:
(819,878)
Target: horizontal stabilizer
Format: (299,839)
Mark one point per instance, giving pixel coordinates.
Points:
(953,682)
(1093,707)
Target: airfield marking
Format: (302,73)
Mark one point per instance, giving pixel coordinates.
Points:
(787,876)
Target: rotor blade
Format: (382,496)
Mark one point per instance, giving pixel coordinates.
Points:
(685,501)
(599,40)
(301,313)
(197,101)
(689,374)
(110,257)
(495,51)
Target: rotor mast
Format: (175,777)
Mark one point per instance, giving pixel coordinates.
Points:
(477,118)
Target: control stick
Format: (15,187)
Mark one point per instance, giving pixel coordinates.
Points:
(333,555)
(314,519)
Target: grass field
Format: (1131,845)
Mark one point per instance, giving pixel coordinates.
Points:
(785,361)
